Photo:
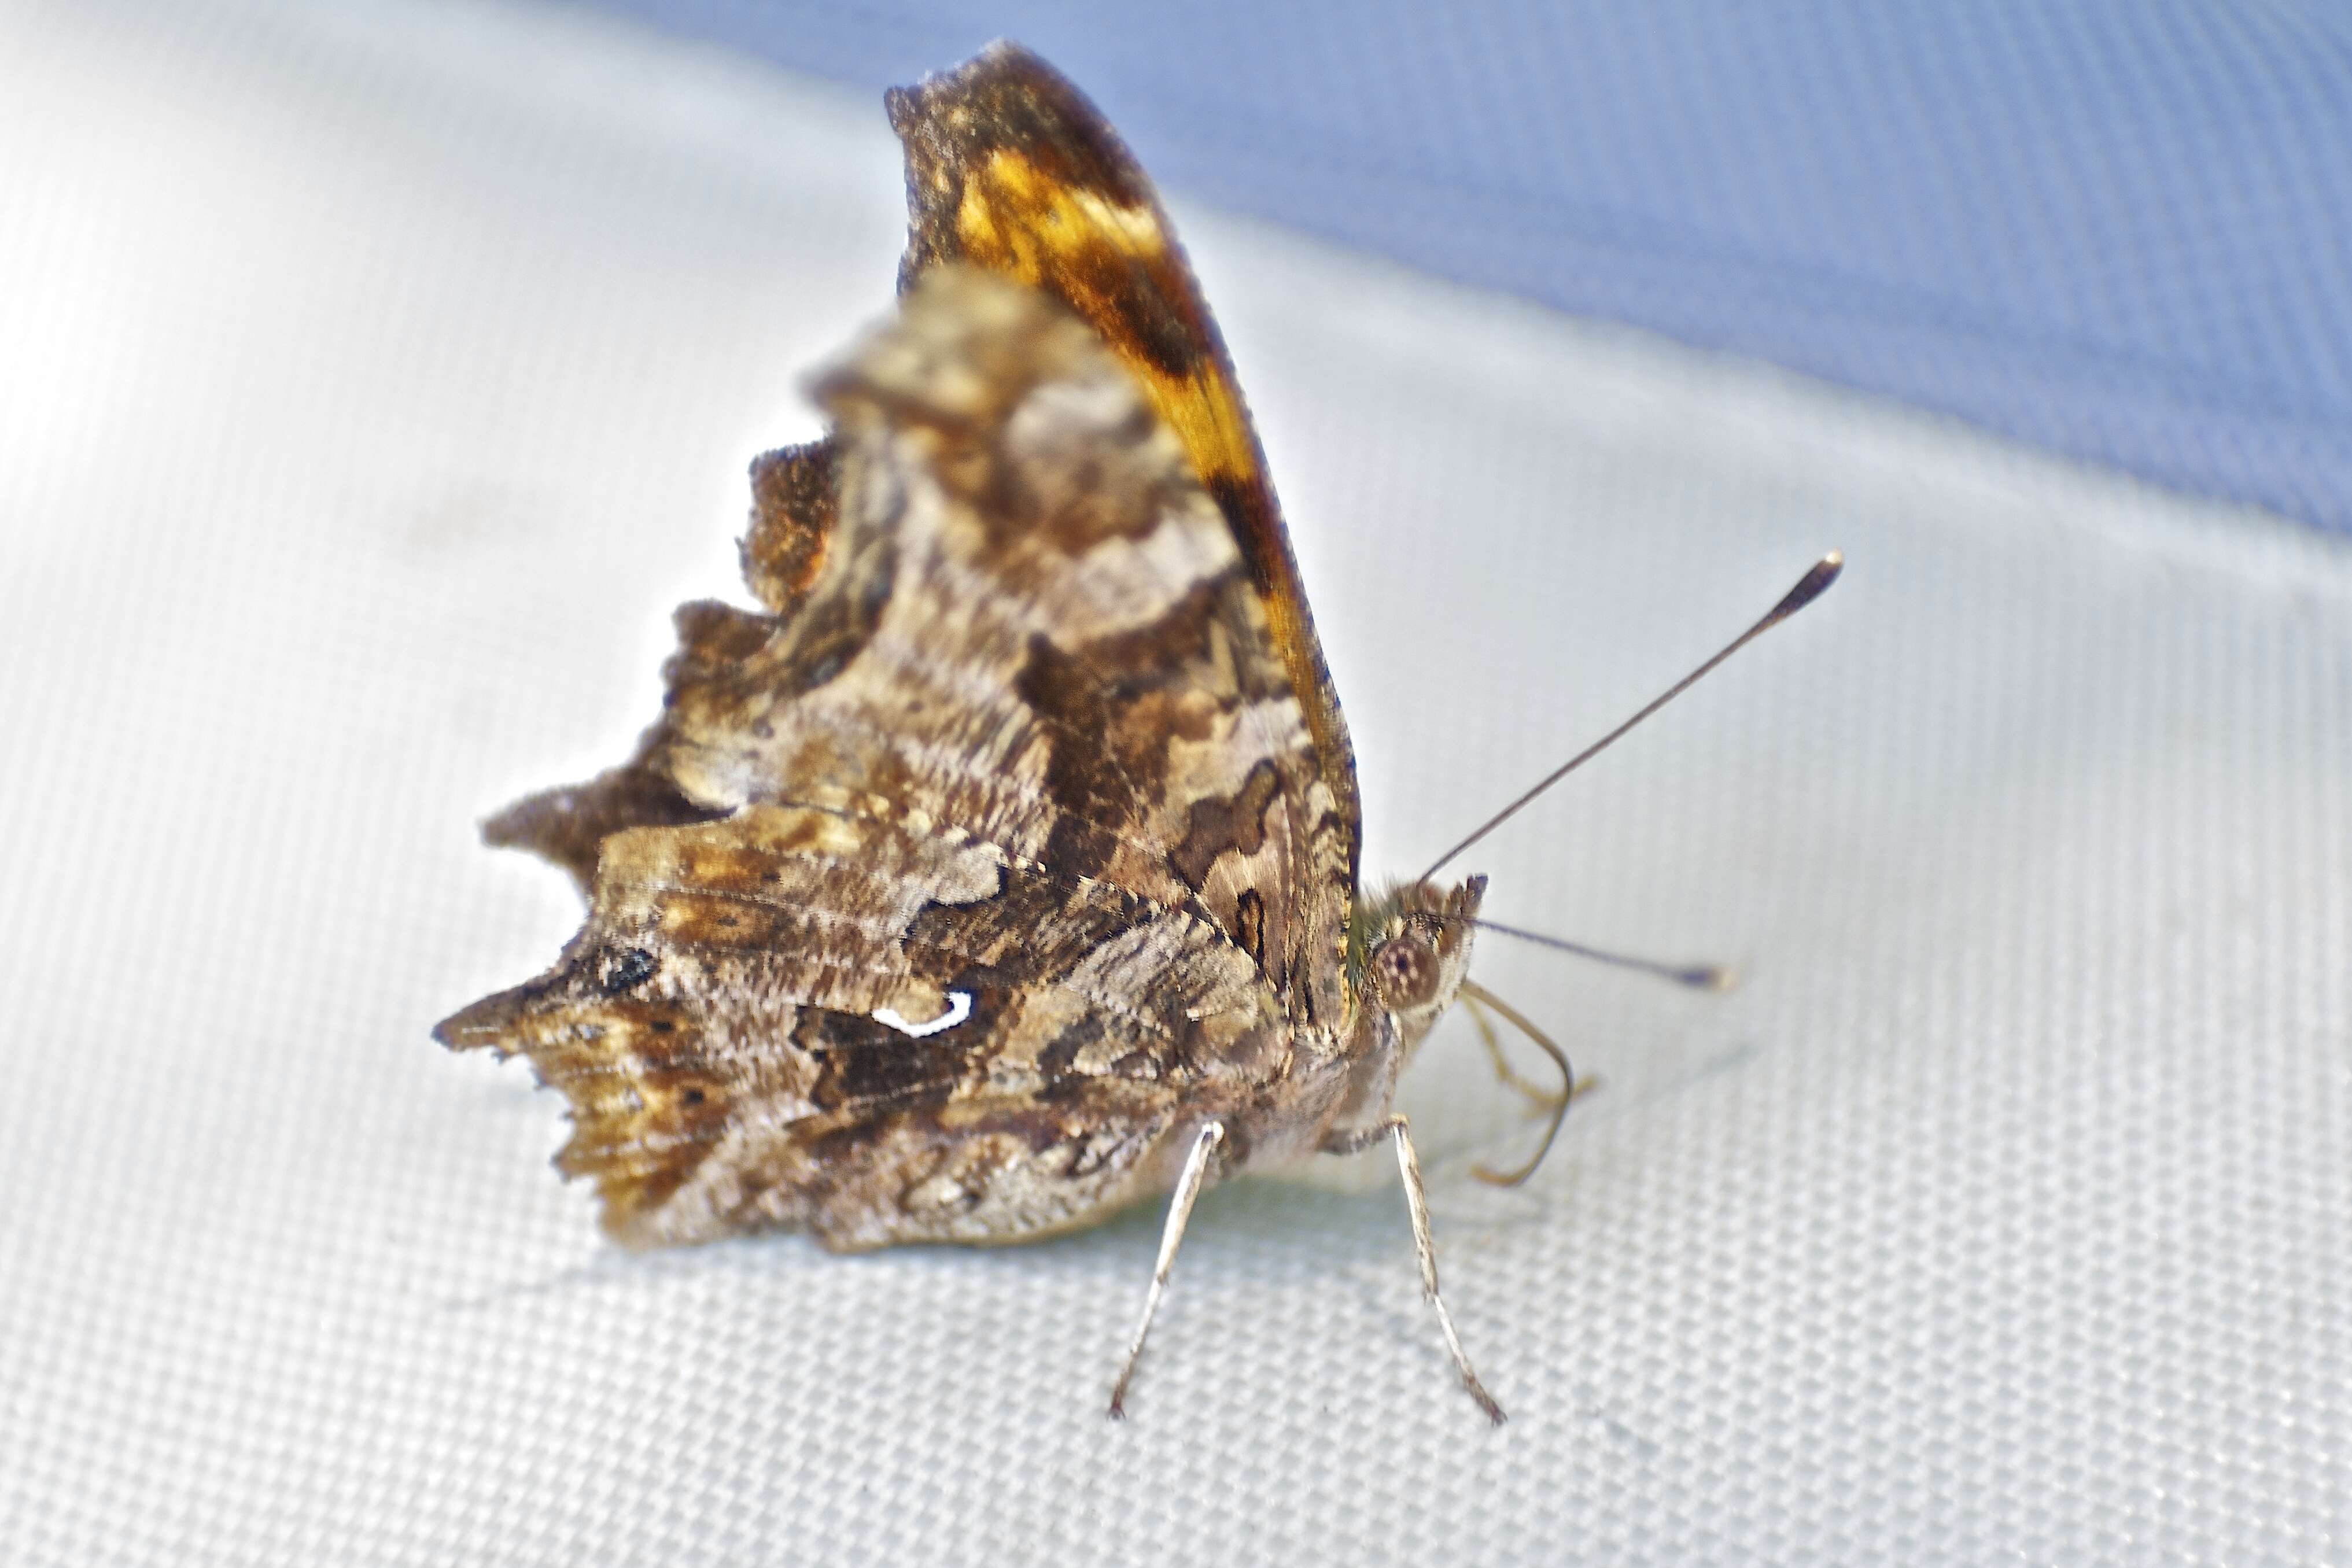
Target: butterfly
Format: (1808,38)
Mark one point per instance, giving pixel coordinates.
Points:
(1001,870)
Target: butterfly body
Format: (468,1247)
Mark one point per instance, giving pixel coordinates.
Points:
(1000,869)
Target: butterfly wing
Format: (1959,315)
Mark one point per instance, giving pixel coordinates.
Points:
(714,1029)
(1017,749)
(1011,168)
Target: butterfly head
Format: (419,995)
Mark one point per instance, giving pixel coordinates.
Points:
(1409,950)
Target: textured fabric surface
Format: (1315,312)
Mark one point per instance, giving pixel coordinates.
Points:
(371,386)
(2112,227)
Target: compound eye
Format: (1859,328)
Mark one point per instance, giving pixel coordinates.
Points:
(1405,971)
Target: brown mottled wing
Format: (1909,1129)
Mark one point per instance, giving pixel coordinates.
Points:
(1011,168)
(792,515)
(714,1028)
(1017,747)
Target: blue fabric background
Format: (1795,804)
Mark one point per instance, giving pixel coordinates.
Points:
(2118,229)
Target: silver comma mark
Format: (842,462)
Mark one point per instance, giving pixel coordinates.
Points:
(958,1009)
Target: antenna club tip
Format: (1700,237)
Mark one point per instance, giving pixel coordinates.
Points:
(1715,977)
(1810,587)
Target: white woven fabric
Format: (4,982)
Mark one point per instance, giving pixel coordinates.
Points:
(372,385)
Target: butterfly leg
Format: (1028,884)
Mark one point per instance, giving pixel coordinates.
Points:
(1424,1248)
(1544,1099)
(1171,1236)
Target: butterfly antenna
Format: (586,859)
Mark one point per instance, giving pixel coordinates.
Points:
(1809,588)
(1697,976)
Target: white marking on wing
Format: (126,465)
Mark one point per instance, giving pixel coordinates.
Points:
(958,1009)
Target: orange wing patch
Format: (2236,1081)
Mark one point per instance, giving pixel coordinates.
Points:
(1088,248)
(1010,169)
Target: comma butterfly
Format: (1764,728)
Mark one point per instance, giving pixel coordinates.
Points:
(1001,870)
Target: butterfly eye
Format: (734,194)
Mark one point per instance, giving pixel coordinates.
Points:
(1405,971)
